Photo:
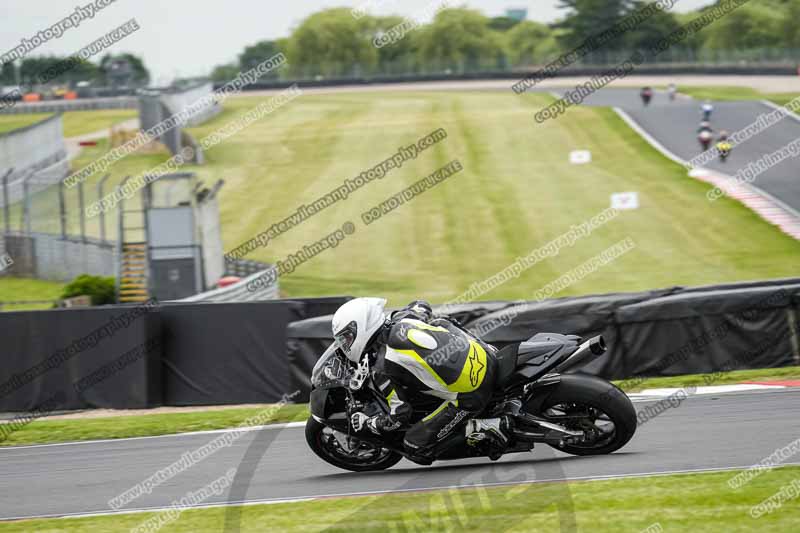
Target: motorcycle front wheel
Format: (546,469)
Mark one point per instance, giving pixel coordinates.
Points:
(345,452)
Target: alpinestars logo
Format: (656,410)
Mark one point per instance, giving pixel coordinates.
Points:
(475,366)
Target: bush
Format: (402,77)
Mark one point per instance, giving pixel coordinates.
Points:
(101,290)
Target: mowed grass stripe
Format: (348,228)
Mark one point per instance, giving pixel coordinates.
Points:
(518,191)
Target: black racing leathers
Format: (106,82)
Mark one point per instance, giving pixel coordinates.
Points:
(441,376)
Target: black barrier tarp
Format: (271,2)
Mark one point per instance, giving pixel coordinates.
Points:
(642,329)
(199,353)
(227,353)
(232,353)
(702,332)
(28,338)
(586,316)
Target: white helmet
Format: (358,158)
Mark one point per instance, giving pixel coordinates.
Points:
(355,323)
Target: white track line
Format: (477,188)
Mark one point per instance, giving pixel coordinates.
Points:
(649,138)
(274,501)
(777,107)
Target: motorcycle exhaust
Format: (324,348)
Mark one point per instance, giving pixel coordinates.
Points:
(594,346)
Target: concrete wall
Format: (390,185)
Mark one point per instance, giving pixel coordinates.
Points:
(36,146)
(156,106)
(178,101)
(50,257)
(36,149)
(211,240)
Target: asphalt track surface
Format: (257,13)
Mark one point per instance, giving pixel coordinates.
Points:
(702,433)
(674,125)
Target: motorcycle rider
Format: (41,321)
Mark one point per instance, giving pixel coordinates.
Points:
(705,134)
(723,145)
(672,89)
(707,108)
(441,375)
(646,95)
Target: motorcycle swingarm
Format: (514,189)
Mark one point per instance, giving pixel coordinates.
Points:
(547,431)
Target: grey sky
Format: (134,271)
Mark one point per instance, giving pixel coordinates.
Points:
(188,37)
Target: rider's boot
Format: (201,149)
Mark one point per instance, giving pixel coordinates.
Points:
(491,431)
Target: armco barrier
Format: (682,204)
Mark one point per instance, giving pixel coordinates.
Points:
(239,292)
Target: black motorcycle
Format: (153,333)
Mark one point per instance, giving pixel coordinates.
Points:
(646,95)
(576,413)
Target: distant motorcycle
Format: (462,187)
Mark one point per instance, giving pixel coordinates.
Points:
(646,95)
(578,414)
(724,148)
(704,137)
(707,108)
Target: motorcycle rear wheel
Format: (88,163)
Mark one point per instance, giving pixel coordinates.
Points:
(581,401)
(324,442)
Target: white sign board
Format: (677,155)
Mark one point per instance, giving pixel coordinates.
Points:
(625,200)
(580,157)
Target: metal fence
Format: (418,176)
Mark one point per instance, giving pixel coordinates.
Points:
(49,236)
(44,226)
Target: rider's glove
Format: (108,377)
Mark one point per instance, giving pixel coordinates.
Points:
(358,421)
(376,424)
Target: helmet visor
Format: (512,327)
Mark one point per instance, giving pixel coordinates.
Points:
(346,337)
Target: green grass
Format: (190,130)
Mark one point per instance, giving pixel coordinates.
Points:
(145,425)
(75,122)
(679,503)
(722,93)
(19,289)
(736,93)
(83,122)
(517,192)
(725,378)
(13,122)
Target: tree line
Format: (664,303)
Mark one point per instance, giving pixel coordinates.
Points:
(99,74)
(341,42)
